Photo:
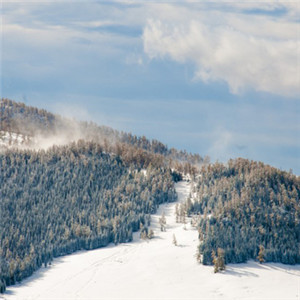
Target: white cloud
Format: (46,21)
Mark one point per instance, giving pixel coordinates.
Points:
(245,51)
(223,42)
(134,59)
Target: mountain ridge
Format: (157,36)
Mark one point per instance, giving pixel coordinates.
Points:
(101,185)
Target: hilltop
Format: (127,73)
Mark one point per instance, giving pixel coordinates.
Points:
(69,185)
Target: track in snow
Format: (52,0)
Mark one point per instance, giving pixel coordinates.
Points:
(156,269)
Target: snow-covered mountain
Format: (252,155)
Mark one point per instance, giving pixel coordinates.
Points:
(93,187)
(157,269)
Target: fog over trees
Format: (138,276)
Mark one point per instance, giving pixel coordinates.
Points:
(69,198)
(68,185)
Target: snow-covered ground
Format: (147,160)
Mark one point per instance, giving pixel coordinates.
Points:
(156,269)
(8,140)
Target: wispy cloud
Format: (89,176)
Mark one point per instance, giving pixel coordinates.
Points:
(140,66)
(222,144)
(247,52)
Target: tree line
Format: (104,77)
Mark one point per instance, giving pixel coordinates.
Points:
(72,197)
(249,210)
(30,121)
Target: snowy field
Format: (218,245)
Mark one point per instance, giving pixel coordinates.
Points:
(156,269)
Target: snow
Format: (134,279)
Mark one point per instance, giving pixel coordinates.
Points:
(144,171)
(156,269)
(11,139)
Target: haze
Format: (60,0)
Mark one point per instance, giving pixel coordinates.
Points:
(218,79)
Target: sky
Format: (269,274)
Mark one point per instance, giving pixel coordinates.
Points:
(216,78)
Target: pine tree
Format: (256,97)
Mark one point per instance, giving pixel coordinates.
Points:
(215,261)
(221,259)
(174,240)
(177,213)
(218,261)
(261,254)
(163,222)
(2,286)
(198,257)
(150,234)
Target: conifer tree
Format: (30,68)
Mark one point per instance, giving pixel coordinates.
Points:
(221,259)
(174,240)
(218,261)
(177,213)
(215,261)
(261,254)
(163,222)
(150,234)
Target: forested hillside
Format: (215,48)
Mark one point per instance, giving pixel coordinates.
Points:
(92,185)
(68,198)
(39,129)
(248,209)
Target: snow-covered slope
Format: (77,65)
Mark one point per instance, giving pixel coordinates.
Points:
(156,269)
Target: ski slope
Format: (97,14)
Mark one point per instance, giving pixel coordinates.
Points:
(156,269)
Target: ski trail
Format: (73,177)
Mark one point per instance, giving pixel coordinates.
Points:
(156,269)
(81,270)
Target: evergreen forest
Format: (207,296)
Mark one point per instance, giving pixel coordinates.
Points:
(68,198)
(101,185)
(248,209)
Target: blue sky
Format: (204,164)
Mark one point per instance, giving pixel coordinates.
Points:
(220,79)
